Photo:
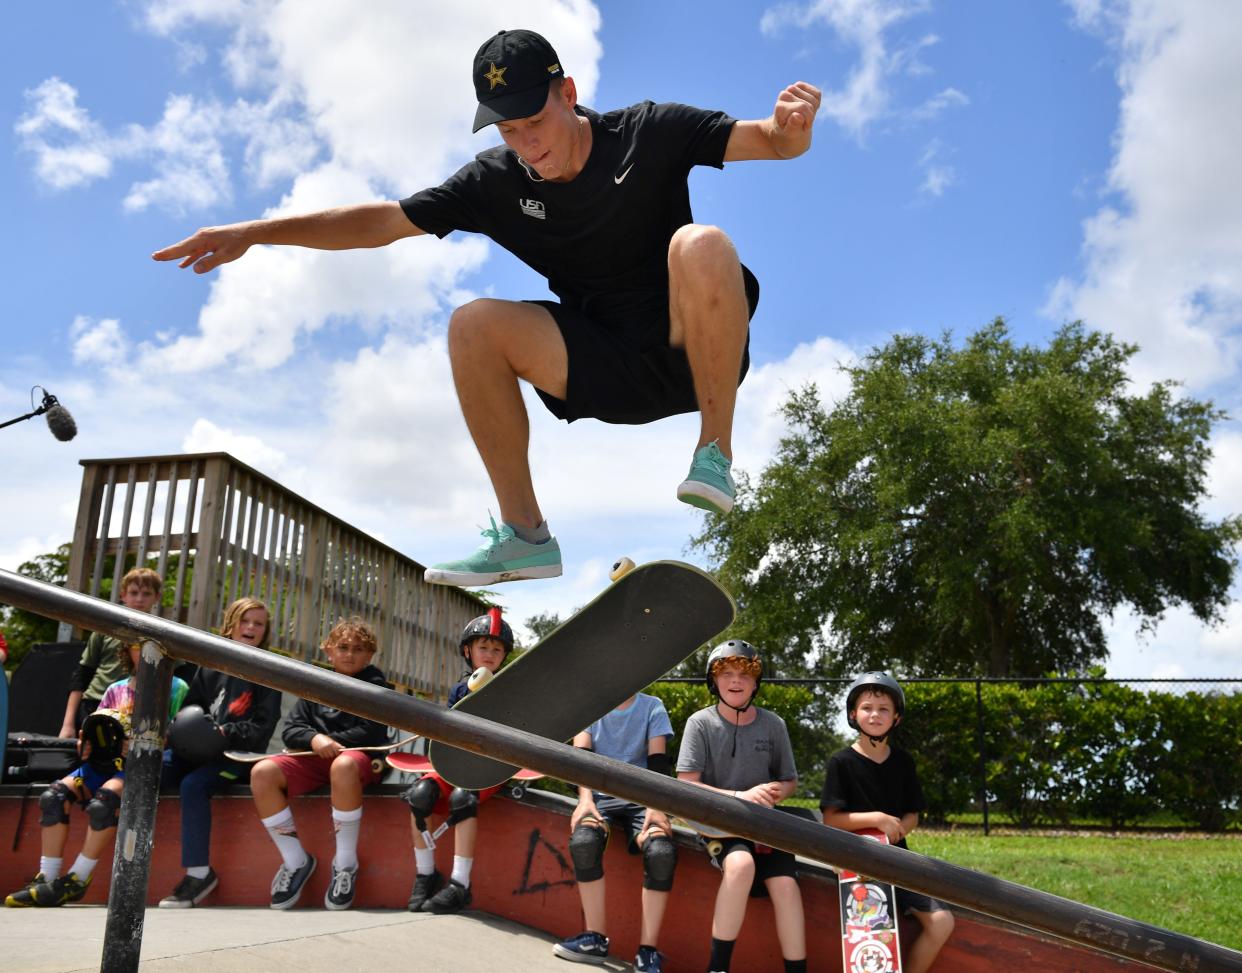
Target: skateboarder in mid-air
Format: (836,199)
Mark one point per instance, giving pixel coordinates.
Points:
(653,312)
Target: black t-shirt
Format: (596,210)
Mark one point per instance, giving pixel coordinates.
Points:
(854,783)
(605,232)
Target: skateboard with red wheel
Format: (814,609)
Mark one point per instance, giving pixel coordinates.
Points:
(419,763)
(869,937)
(642,625)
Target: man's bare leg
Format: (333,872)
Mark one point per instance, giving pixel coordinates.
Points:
(491,345)
(709,317)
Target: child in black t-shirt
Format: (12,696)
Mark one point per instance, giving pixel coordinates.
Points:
(874,785)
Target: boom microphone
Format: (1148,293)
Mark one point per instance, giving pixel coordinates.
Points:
(58,418)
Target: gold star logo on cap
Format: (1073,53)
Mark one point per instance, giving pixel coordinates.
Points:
(496,76)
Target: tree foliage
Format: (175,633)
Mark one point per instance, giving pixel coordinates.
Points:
(23,628)
(976,510)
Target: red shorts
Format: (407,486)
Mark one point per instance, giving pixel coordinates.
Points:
(307,773)
(442,802)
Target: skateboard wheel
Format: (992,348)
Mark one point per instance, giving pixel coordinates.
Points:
(714,848)
(619,570)
(479,678)
(517,791)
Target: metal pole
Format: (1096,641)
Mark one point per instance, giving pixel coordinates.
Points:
(131,861)
(1047,913)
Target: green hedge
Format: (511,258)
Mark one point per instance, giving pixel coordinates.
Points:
(1061,751)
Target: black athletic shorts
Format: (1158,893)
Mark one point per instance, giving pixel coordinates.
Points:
(769,862)
(621,368)
(625,815)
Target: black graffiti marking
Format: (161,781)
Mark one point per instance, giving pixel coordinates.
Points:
(537,839)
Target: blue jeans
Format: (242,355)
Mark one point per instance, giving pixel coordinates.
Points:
(196,783)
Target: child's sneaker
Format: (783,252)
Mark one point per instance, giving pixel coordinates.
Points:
(23,898)
(586,947)
(340,894)
(709,484)
(287,885)
(503,556)
(59,891)
(452,898)
(425,886)
(190,891)
(648,960)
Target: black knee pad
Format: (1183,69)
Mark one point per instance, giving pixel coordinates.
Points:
(659,861)
(422,796)
(463,805)
(104,810)
(52,803)
(586,848)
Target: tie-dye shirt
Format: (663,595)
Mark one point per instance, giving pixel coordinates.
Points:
(119,697)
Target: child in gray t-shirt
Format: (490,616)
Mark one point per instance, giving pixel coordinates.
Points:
(736,748)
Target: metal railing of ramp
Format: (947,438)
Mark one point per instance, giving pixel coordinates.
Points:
(164,641)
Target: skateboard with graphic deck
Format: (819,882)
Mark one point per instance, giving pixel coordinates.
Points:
(869,938)
(642,625)
(377,764)
(418,763)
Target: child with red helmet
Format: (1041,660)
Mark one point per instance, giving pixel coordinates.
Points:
(872,784)
(485,644)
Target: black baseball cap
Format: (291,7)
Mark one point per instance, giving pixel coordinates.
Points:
(512,71)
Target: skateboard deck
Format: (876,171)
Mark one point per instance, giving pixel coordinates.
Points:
(418,763)
(713,838)
(635,631)
(869,936)
(253,757)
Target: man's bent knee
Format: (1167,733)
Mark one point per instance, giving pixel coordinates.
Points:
(586,849)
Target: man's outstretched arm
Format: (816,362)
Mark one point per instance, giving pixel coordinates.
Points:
(784,134)
(343,228)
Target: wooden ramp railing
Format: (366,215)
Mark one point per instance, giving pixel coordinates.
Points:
(1072,921)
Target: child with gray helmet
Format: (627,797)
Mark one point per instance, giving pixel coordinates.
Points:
(872,784)
(740,749)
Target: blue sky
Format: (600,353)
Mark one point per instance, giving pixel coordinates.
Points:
(1043,162)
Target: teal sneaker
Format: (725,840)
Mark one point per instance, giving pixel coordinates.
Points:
(503,556)
(709,485)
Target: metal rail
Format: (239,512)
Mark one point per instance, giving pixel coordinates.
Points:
(1059,917)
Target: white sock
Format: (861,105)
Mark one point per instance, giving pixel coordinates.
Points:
(199,871)
(282,831)
(50,867)
(84,867)
(424,860)
(347,824)
(461,870)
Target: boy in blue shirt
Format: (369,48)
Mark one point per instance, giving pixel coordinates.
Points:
(636,732)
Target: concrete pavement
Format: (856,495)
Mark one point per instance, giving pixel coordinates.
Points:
(244,940)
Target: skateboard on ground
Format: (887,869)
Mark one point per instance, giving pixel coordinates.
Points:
(419,763)
(251,757)
(635,631)
(869,937)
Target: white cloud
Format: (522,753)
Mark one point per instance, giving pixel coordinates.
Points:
(938,175)
(53,118)
(1162,264)
(864,24)
(206,437)
(100,342)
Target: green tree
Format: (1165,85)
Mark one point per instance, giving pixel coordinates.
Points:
(976,510)
(23,628)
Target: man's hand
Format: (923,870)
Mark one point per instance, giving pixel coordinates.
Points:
(765,795)
(208,248)
(67,732)
(793,119)
(892,827)
(655,822)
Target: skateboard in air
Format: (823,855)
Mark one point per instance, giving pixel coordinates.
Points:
(649,619)
(869,936)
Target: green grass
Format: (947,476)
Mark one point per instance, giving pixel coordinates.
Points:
(1190,884)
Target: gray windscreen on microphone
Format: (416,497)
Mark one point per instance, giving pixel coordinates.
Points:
(61,423)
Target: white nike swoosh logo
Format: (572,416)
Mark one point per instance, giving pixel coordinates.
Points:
(621,178)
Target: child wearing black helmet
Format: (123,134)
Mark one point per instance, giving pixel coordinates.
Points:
(485,644)
(873,784)
(221,712)
(737,748)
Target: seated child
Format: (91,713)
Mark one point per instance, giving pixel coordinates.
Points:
(485,644)
(350,646)
(636,732)
(103,659)
(872,784)
(740,749)
(97,785)
(221,712)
